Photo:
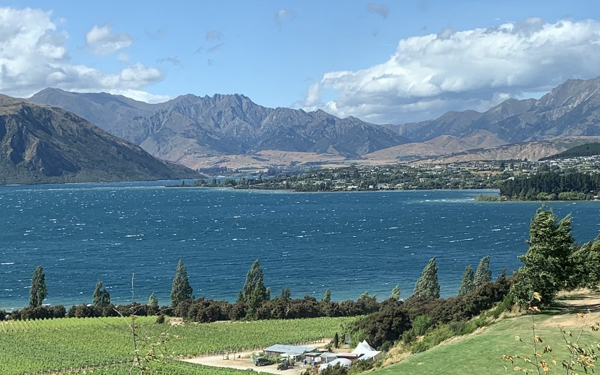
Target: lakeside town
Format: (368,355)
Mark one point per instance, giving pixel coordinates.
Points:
(459,175)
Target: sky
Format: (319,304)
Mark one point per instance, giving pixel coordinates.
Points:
(383,62)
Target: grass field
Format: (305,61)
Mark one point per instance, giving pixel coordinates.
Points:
(481,353)
(43,345)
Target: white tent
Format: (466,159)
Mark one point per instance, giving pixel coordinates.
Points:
(342,361)
(366,351)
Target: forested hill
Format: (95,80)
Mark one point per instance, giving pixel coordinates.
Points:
(552,186)
(589,149)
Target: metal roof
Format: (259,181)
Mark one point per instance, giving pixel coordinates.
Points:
(289,349)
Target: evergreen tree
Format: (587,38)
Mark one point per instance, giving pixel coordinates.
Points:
(467,285)
(38,291)
(586,265)
(327,296)
(101,296)
(395,293)
(483,274)
(286,294)
(181,289)
(153,307)
(427,285)
(547,262)
(254,292)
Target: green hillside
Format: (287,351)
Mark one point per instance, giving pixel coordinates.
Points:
(589,149)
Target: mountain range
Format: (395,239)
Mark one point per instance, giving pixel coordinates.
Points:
(40,144)
(231,130)
(191,129)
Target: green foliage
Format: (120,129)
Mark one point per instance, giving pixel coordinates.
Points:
(421,324)
(327,296)
(466,286)
(77,343)
(588,149)
(153,304)
(433,338)
(483,274)
(395,293)
(101,296)
(286,294)
(38,291)
(181,289)
(586,265)
(547,262)
(551,186)
(254,292)
(427,285)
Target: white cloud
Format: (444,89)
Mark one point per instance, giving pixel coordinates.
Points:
(102,41)
(34,55)
(456,70)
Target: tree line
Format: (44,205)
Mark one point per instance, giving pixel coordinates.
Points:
(253,302)
(551,185)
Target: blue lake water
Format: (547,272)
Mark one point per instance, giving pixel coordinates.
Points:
(348,242)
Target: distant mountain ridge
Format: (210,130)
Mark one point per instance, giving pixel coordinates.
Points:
(39,144)
(204,131)
(570,109)
(222,125)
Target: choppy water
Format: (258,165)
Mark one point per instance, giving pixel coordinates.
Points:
(348,242)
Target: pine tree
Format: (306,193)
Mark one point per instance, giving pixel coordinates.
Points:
(286,294)
(38,291)
(427,285)
(181,289)
(101,296)
(483,274)
(395,293)
(327,296)
(254,292)
(467,285)
(547,262)
(153,307)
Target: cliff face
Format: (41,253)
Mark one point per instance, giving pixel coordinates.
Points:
(39,144)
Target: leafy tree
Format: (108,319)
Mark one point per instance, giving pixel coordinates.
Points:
(467,285)
(101,296)
(38,291)
(254,292)
(483,274)
(547,262)
(181,289)
(327,296)
(427,285)
(336,340)
(395,293)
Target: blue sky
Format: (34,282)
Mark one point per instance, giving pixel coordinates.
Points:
(384,62)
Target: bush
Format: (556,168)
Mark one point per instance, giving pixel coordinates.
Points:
(421,324)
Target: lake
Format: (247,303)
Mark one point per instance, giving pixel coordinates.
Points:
(348,242)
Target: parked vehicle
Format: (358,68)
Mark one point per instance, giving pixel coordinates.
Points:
(262,361)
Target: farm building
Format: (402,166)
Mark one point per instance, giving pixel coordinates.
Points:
(288,350)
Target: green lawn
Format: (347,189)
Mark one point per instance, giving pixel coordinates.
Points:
(482,353)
